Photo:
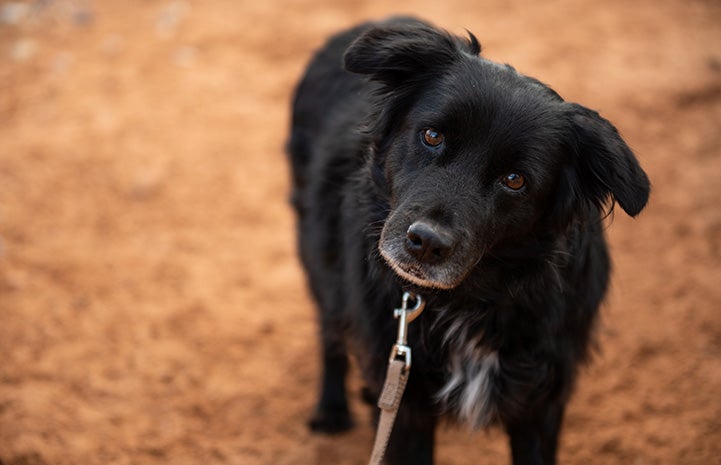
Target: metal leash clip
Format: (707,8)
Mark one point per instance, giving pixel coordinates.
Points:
(406,316)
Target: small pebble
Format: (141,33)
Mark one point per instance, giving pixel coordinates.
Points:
(14,12)
(62,62)
(112,44)
(184,57)
(23,49)
(170,17)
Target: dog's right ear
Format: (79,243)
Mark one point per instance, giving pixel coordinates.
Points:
(401,51)
(606,166)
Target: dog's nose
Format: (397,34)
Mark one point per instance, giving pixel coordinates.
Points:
(428,243)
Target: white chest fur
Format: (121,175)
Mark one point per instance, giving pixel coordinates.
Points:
(468,393)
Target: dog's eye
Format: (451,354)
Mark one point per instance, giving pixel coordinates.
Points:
(432,138)
(514,181)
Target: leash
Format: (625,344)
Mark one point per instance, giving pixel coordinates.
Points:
(399,365)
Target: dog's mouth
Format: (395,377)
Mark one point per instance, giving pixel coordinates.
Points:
(420,275)
(447,273)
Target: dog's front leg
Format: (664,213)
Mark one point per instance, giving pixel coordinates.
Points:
(332,414)
(534,440)
(413,436)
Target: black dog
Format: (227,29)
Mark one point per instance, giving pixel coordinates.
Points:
(420,166)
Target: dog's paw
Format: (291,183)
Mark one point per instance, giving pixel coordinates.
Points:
(331,420)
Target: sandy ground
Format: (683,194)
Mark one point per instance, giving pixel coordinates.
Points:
(152,309)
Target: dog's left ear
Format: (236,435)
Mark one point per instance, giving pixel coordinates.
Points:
(606,165)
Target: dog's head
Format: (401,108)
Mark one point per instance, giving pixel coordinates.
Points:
(475,158)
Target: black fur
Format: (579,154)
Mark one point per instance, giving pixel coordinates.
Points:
(513,278)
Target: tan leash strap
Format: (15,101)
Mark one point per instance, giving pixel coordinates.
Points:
(389,402)
(399,366)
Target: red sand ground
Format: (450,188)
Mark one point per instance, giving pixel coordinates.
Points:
(152,309)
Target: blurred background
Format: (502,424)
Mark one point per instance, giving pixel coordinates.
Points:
(152,309)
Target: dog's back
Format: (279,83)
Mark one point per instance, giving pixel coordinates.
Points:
(325,89)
